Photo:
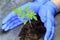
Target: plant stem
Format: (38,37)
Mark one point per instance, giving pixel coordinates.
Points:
(30,22)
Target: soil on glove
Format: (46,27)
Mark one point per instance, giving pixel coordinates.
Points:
(32,33)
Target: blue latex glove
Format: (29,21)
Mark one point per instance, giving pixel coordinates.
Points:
(12,20)
(47,12)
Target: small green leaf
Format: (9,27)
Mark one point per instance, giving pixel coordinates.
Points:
(25,22)
(35,18)
(23,15)
(19,11)
(32,13)
(28,15)
(26,9)
(15,10)
(18,14)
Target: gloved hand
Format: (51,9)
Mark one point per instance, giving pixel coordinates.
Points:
(12,20)
(47,12)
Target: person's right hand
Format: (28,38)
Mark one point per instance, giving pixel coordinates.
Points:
(12,20)
(46,13)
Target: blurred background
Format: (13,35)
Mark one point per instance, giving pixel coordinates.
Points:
(8,5)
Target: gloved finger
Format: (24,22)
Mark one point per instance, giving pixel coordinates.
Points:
(4,26)
(47,34)
(13,24)
(53,29)
(52,33)
(48,30)
(8,17)
(7,23)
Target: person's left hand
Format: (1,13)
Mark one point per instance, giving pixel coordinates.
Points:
(46,13)
(12,20)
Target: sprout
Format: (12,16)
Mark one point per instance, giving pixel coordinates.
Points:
(26,13)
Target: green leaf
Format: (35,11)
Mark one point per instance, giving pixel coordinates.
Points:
(32,12)
(23,15)
(26,9)
(15,10)
(35,18)
(25,22)
(19,11)
(28,15)
(18,14)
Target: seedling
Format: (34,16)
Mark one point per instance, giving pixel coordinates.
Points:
(26,14)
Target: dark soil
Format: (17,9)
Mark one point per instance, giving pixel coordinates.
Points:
(32,33)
